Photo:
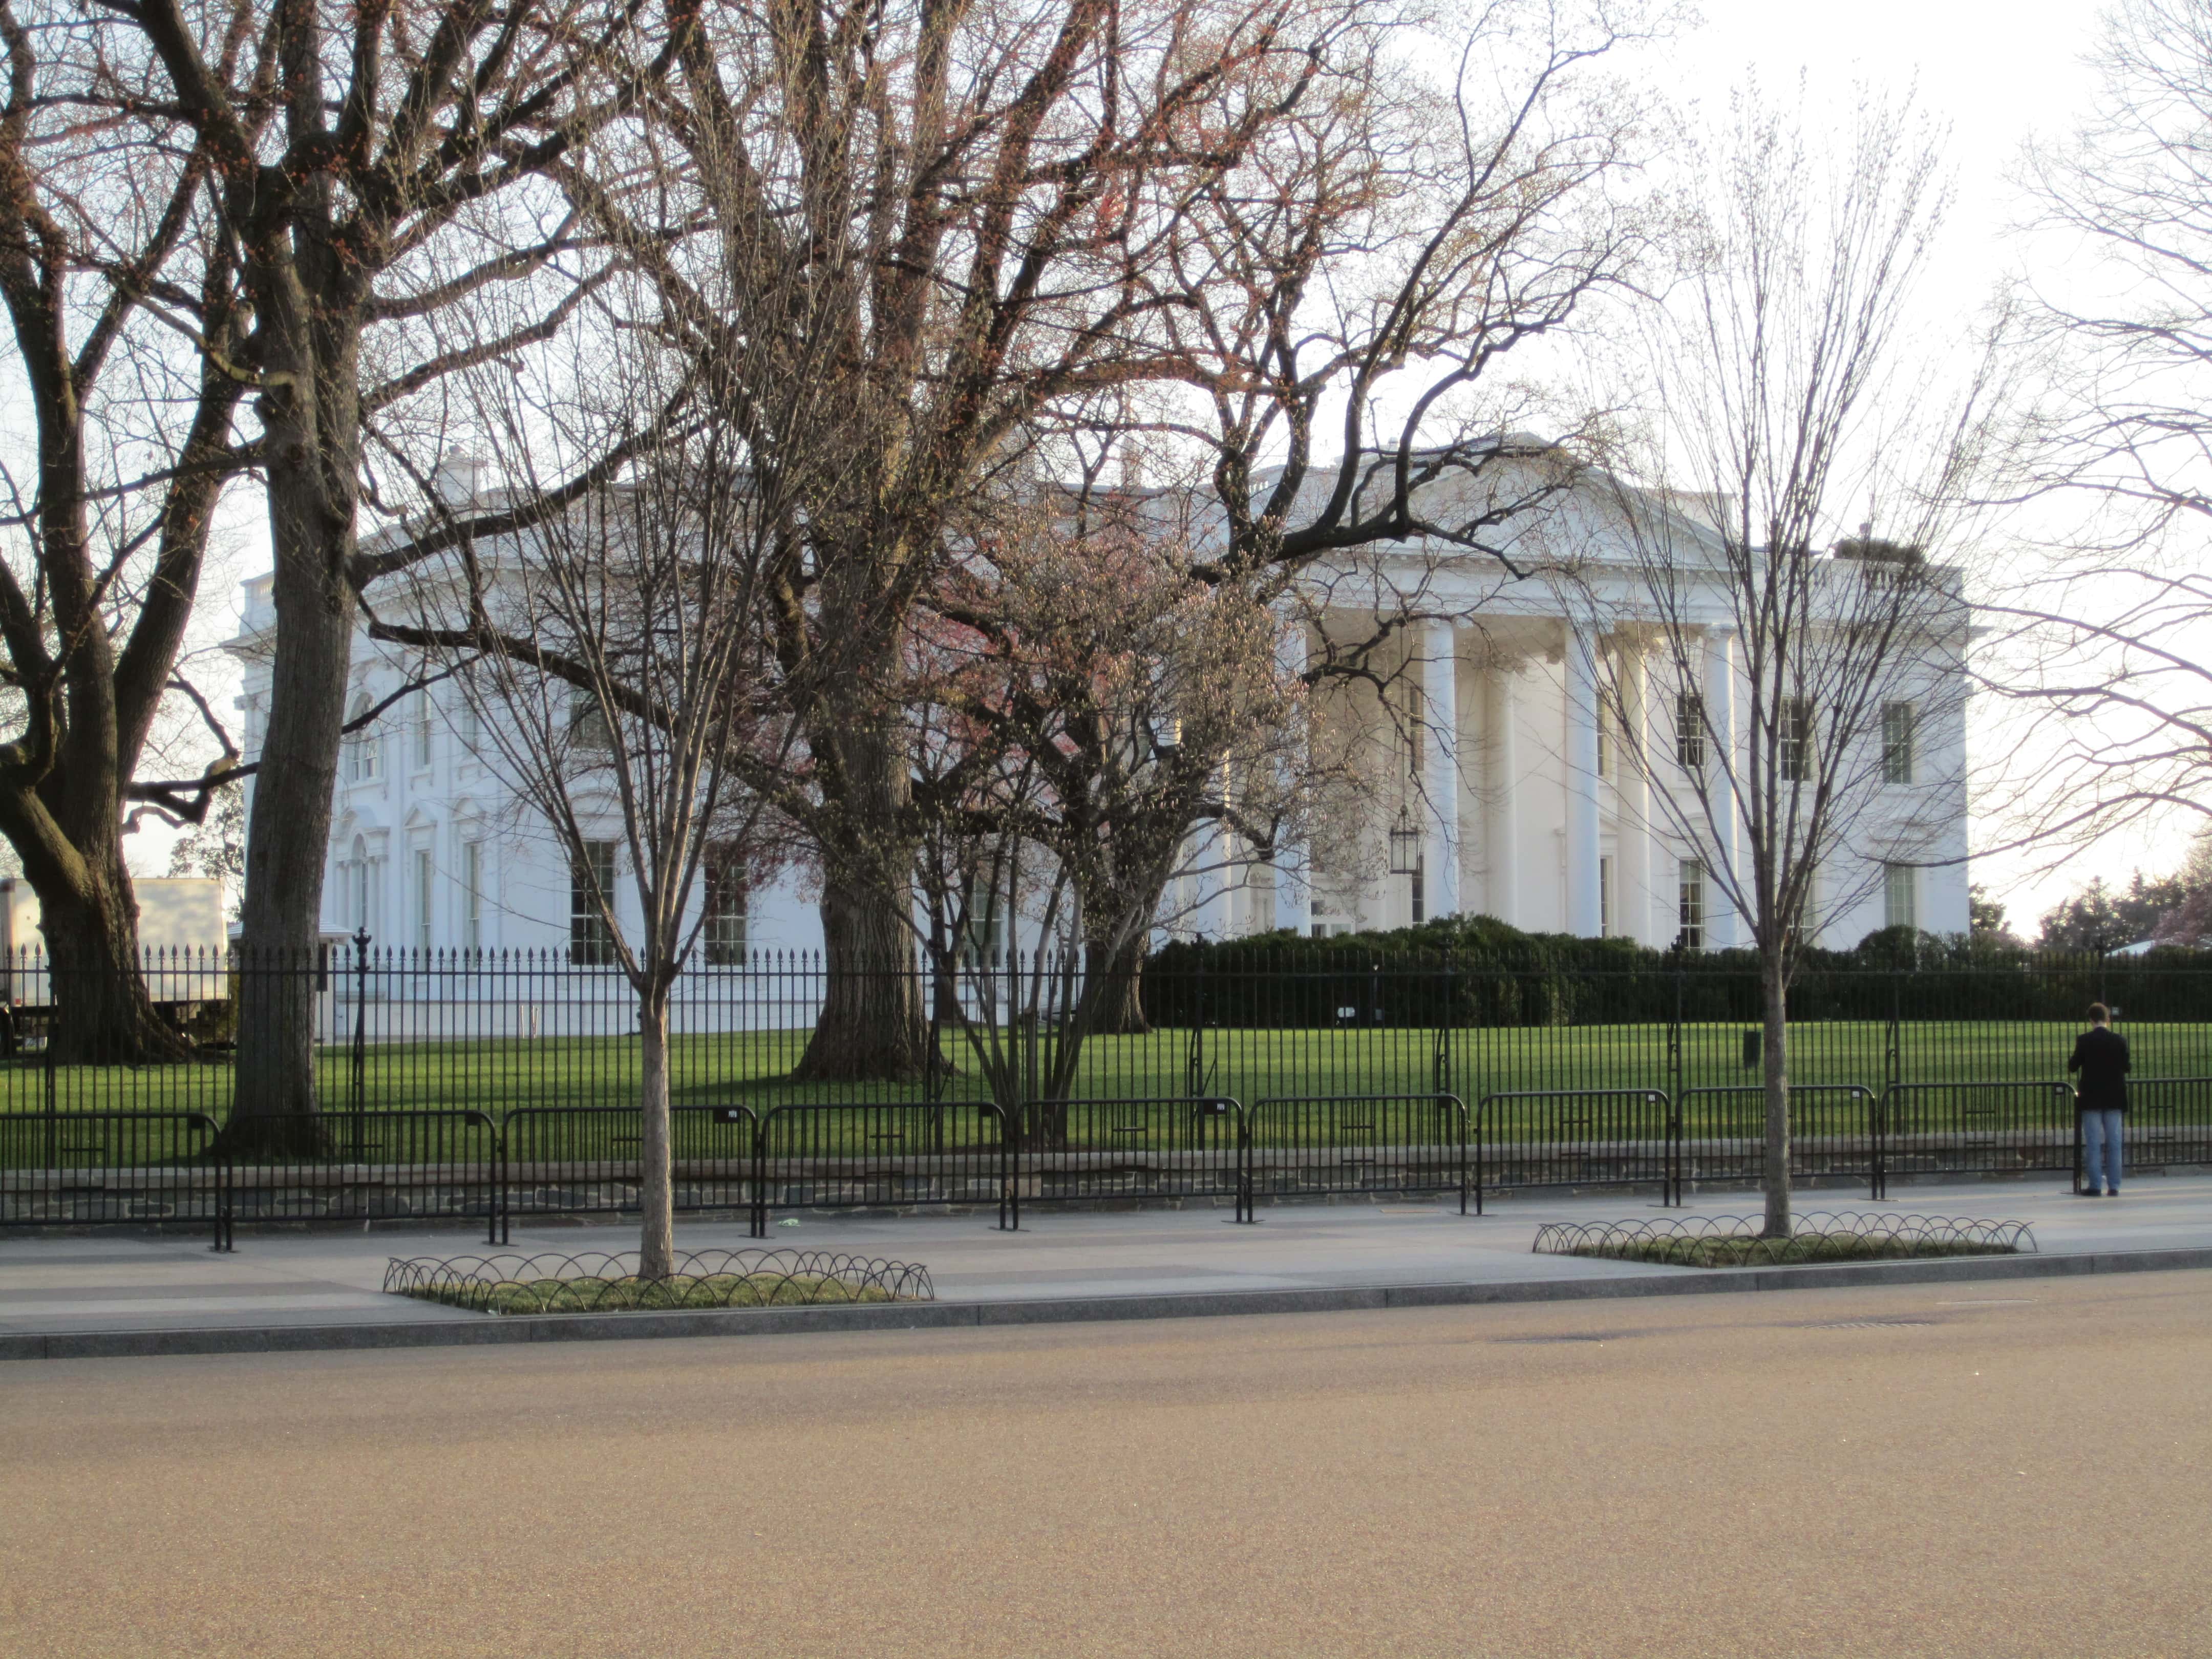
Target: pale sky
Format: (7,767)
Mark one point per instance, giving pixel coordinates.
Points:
(1995,74)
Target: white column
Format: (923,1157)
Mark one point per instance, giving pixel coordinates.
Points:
(1293,879)
(1718,692)
(1440,776)
(1585,916)
(1503,778)
(1632,790)
(1210,915)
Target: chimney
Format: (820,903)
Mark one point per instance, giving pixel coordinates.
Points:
(458,479)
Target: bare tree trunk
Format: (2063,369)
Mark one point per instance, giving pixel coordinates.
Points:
(1119,971)
(288,832)
(871,1024)
(106,1017)
(1775,995)
(656,1200)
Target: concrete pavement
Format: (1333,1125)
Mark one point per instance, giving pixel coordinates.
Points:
(279,1281)
(1934,1472)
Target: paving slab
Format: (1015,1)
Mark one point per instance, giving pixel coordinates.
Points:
(1072,1263)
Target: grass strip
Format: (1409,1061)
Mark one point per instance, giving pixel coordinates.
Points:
(631,1294)
(1801,1249)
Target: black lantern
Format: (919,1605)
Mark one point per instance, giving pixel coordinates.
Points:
(1405,846)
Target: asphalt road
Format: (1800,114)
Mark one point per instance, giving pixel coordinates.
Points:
(1967,1469)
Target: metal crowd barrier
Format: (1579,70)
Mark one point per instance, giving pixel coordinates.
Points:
(583,1160)
(1723,1134)
(944,1152)
(1161,1147)
(96,1169)
(1974,1129)
(1350,1144)
(90,1169)
(379,1166)
(1580,1138)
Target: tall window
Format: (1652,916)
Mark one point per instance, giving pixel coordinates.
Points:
(727,891)
(426,876)
(1900,896)
(360,918)
(364,748)
(1689,731)
(1796,746)
(1897,724)
(1690,886)
(587,724)
(467,718)
(1605,898)
(472,895)
(419,727)
(980,925)
(591,941)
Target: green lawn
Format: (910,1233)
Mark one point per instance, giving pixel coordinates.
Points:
(503,1076)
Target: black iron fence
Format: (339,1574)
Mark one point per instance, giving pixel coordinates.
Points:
(503,1085)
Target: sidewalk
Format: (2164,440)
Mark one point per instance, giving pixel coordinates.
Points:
(99,1282)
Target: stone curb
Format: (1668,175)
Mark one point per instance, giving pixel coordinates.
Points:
(1060,1311)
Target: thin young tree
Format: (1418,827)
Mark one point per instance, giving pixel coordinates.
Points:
(1815,679)
(618,654)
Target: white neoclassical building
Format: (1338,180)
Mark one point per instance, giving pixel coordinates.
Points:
(1513,797)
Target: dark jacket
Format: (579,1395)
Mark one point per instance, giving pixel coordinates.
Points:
(2101,1054)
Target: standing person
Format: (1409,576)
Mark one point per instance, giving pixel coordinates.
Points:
(2101,1054)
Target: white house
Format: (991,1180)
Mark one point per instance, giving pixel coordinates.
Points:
(1524,809)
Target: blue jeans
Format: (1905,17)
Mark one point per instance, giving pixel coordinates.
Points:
(2100,1150)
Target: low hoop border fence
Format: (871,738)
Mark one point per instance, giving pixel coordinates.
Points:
(1621,1137)
(1402,1155)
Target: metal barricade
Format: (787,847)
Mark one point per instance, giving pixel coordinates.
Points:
(373,1166)
(1974,1129)
(815,1157)
(1346,1144)
(1579,1138)
(1163,1147)
(583,1160)
(109,1168)
(1723,1134)
(2169,1123)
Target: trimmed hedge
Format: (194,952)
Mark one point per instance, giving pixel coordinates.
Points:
(1477,970)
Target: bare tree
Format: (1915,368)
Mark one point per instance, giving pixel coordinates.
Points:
(1011,212)
(379,169)
(619,653)
(2102,634)
(1346,303)
(114,267)
(1088,691)
(1786,710)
